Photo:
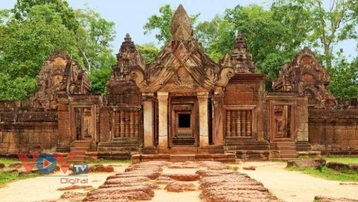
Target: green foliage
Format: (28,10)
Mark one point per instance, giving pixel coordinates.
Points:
(216,36)
(22,9)
(31,31)
(161,23)
(270,35)
(26,45)
(99,77)
(344,79)
(93,38)
(148,50)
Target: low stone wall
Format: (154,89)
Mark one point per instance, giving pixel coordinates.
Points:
(27,131)
(334,131)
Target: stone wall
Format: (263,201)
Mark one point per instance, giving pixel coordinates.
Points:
(26,130)
(334,131)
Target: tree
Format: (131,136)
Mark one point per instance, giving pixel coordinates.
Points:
(270,35)
(26,45)
(22,9)
(148,51)
(161,23)
(28,40)
(216,36)
(327,24)
(93,38)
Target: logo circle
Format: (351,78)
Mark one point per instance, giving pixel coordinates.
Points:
(46,163)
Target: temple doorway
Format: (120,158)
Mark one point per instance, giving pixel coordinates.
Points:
(183,121)
(83,123)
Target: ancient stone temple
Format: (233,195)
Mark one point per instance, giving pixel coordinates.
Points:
(181,106)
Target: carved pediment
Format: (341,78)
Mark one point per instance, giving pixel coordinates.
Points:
(306,75)
(181,65)
(59,74)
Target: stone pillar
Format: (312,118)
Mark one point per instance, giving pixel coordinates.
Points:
(203,119)
(218,134)
(64,129)
(148,119)
(163,119)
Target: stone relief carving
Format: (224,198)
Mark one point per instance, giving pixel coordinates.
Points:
(126,75)
(60,73)
(306,75)
(240,59)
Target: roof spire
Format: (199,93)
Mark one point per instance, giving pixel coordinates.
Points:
(180,27)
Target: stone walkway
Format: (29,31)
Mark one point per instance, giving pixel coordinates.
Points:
(210,181)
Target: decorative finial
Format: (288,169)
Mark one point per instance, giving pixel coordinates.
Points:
(128,38)
(240,43)
(180,27)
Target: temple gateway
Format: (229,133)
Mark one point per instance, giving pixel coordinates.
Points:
(181,106)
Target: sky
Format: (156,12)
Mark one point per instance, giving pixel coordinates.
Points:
(130,16)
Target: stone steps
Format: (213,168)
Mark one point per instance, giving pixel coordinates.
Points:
(119,149)
(227,158)
(287,149)
(79,148)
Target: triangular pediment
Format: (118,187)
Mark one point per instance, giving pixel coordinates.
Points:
(182,66)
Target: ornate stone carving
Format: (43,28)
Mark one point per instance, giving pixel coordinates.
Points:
(306,75)
(181,66)
(126,75)
(59,74)
(240,60)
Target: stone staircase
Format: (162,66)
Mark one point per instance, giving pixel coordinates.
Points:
(79,148)
(121,148)
(184,153)
(287,149)
(248,148)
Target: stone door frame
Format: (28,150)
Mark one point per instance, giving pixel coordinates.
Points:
(183,105)
(274,123)
(73,122)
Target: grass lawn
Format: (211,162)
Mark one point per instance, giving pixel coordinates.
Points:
(331,174)
(6,177)
(346,160)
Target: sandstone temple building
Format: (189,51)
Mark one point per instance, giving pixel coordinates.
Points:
(181,106)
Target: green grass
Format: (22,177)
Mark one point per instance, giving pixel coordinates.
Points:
(328,174)
(6,177)
(8,161)
(346,160)
(331,174)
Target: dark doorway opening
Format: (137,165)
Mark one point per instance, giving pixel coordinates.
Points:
(184,121)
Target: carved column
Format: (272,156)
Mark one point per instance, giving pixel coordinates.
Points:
(163,116)
(148,119)
(203,119)
(218,118)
